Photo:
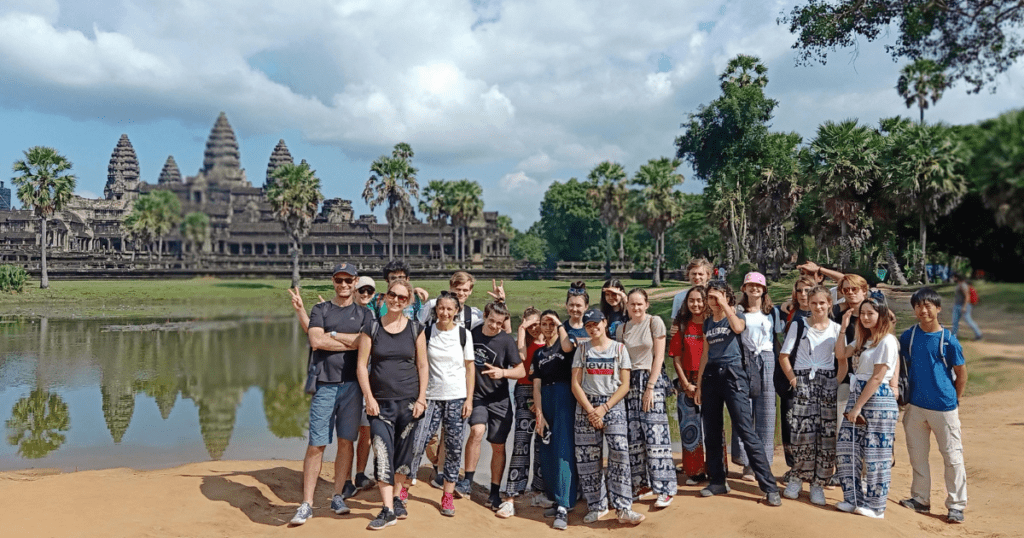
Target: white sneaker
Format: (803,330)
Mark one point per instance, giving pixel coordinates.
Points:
(627,515)
(860,510)
(844,506)
(692,481)
(817,494)
(506,510)
(594,515)
(793,488)
(541,500)
(664,500)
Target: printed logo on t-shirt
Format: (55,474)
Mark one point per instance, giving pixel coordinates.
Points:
(483,355)
(717,334)
(601,365)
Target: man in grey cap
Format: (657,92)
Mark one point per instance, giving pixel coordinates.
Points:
(334,327)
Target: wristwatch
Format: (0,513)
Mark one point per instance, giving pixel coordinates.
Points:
(334,334)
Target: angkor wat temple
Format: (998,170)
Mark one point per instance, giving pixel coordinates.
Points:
(245,237)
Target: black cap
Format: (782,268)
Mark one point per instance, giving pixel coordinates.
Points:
(593,316)
(345,267)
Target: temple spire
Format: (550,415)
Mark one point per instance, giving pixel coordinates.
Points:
(122,172)
(170,172)
(280,156)
(221,147)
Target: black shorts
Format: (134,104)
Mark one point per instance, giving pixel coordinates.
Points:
(497,414)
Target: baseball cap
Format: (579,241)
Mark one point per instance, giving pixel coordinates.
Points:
(365,281)
(754,277)
(593,316)
(345,267)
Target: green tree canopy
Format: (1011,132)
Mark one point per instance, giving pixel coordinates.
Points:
(393,183)
(36,423)
(607,185)
(295,196)
(45,185)
(570,223)
(195,229)
(997,165)
(657,203)
(466,203)
(920,82)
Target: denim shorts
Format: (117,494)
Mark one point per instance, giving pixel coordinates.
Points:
(335,406)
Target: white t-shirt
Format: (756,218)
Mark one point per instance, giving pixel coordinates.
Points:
(817,349)
(758,334)
(476,316)
(447,380)
(887,352)
(679,301)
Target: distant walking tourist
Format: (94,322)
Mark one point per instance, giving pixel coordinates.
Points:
(723,383)
(334,328)
(650,444)
(395,389)
(934,363)
(808,364)
(600,381)
(962,305)
(864,447)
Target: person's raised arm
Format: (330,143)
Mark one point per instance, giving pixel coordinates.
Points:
(736,323)
(843,350)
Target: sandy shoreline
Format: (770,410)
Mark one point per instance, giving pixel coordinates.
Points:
(257,498)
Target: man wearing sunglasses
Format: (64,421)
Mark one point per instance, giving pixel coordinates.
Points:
(334,327)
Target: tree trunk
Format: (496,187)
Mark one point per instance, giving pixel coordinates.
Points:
(924,250)
(732,229)
(160,248)
(440,242)
(844,248)
(656,279)
(295,264)
(622,248)
(894,267)
(44,280)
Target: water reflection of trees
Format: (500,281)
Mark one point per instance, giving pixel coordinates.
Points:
(211,365)
(36,423)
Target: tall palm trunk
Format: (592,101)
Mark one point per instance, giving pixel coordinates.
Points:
(656,278)
(295,263)
(160,248)
(44,280)
(622,248)
(924,250)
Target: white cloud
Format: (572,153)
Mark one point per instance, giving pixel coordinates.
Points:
(517,182)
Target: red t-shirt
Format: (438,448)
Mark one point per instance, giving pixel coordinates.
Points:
(693,346)
(530,348)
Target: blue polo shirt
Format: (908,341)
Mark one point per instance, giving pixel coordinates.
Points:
(931,381)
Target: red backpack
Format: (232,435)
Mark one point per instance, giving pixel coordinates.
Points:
(972,294)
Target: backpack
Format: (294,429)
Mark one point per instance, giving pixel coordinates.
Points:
(462,334)
(782,386)
(467,317)
(903,383)
(375,328)
(972,294)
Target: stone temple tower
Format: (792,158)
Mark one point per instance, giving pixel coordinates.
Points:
(221,161)
(170,172)
(122,172)
(280,156)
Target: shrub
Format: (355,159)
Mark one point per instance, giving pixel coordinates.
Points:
(12,278)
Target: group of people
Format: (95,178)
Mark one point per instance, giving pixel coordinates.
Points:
(585,397)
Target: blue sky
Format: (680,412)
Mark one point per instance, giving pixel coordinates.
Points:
(514,95)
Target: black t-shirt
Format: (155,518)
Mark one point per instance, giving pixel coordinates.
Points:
(499,350)
(551,365)
(338,366)
(393,373)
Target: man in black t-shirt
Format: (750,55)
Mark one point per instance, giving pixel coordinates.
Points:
(497,361)
(334,327)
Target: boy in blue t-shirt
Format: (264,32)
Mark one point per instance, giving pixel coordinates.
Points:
(937,376)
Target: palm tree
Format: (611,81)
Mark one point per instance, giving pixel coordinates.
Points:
(36,423)
(434,204)
(295,197)
(195,229)
(842,163)
(657,204)
(466,205)
(167,217)
(920,82)
(608,188)
(45,185)
(393,182)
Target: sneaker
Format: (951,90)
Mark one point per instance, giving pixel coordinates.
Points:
(304,512)
(748,474)
(844,506)
(594,515)
(773,499)
(338,505)
(437,482)
(715,489)
(403,496)
(401,512)
(817,495)
(912,504)
(793,488)
(696,479)
(627,515)
(862,511)
(385,518)
(447,504)
(664,500)
(494,502)
(364,482)
(464,489)
(954,515)
(348,490)
(561,521)
(642,492)
(506,510)
(553,511)
(541,500)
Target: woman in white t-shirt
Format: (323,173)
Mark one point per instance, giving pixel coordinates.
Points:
(864,448)
(809,366)
(451,378)
(650,445)
(758,341)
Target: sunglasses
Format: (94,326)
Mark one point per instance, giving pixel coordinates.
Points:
(397,297)
(851,290)
(343,280)
(366,290)
(577,291)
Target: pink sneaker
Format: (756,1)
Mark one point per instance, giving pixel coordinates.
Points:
(448,504)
